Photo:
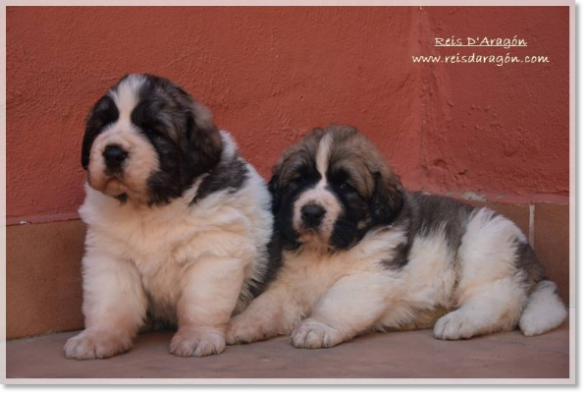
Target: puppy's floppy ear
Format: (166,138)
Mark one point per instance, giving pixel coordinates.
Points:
(275,189)
(387,200)
(204,142)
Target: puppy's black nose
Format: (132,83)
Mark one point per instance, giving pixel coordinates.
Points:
(114,156)
(312,215)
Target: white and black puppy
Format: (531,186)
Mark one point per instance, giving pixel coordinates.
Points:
(356,252)
(178,222)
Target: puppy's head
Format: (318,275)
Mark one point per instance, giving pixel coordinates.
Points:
(146,140)
(331,188)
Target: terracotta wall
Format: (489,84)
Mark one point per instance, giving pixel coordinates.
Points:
(499,135)
(271,74)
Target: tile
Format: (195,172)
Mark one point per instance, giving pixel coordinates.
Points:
(43,278)
(552,243)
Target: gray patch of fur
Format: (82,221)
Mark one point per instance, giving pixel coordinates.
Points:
(528,265)
(424,215)
(229,174)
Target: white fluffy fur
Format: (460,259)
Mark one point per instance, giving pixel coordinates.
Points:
(191,261)
(544,311)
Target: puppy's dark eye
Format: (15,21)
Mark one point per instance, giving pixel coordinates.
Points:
(295,180)
(345,187)
(157,139)
(157,135)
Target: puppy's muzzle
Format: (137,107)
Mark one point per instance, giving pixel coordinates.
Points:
(312,215)
(114,157)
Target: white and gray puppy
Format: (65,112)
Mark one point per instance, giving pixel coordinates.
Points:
(178,222)
(355,252)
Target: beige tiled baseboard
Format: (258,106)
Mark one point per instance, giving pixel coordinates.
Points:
(43,278)
(44,270)
(552,242)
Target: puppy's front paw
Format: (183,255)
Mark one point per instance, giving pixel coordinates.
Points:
(96,343)
(197,342)
(453,326)
(314,334)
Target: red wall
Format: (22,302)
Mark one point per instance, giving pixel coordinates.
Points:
(499,130)
(271,74)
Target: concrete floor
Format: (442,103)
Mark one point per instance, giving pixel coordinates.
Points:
(393,355)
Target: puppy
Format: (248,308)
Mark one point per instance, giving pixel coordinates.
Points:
(355,252)
(178,222)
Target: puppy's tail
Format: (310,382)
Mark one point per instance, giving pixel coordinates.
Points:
(545,310)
